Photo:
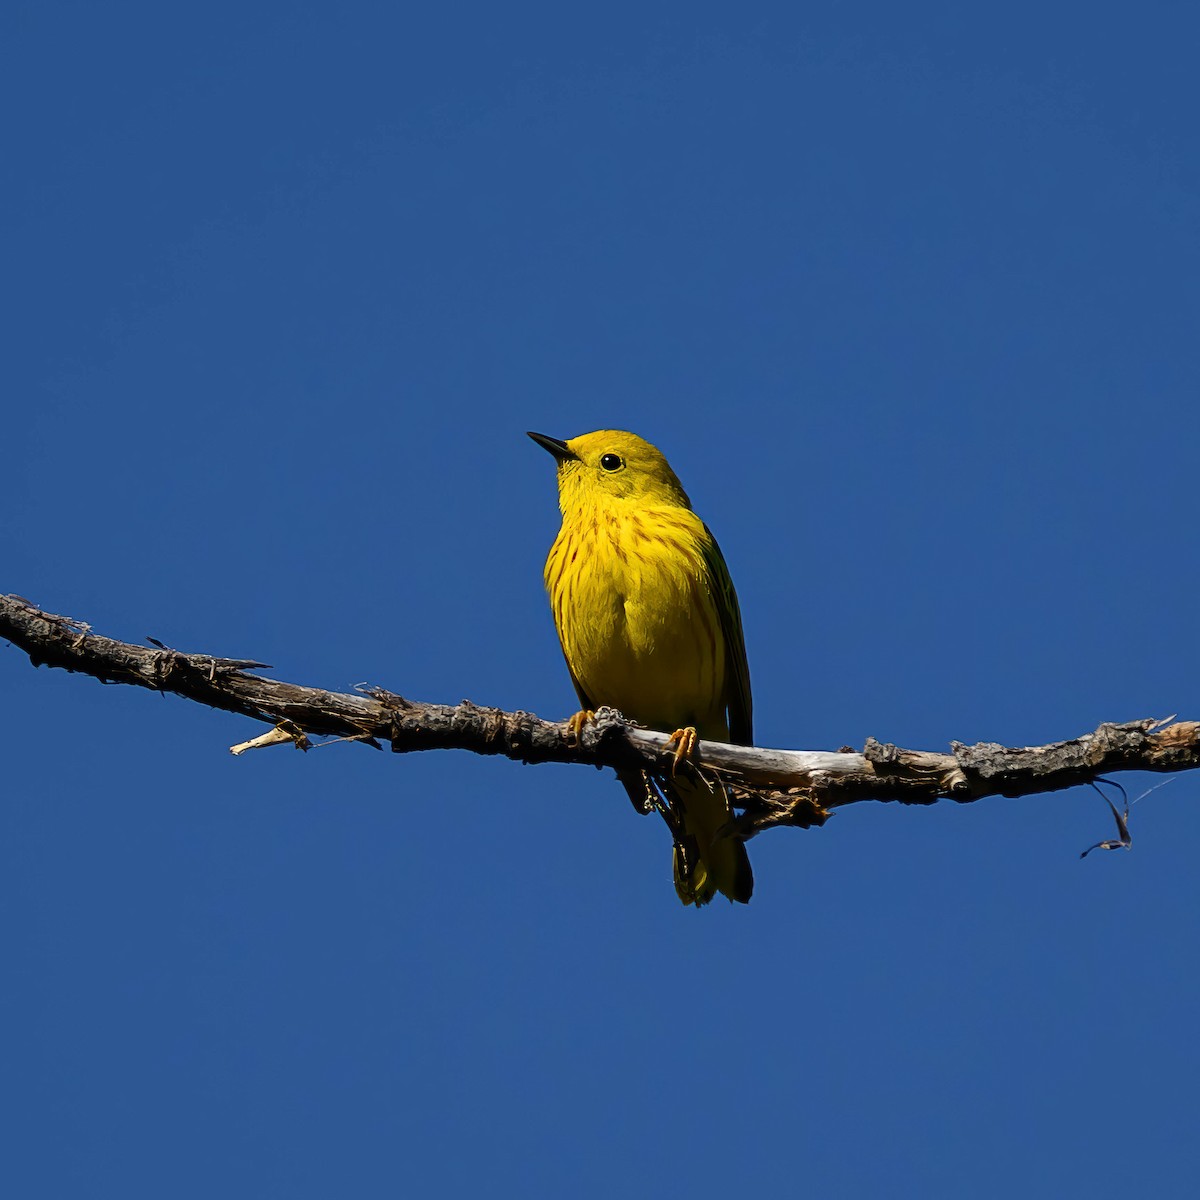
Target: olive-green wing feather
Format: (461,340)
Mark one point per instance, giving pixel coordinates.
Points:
(584,702)
(738,703)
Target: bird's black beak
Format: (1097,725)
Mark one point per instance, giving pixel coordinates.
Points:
(560,450)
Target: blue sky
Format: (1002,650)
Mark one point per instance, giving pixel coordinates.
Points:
(908,294)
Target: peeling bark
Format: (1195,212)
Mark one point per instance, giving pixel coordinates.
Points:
(771,787)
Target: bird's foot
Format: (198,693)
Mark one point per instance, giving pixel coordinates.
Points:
(576,723)
(685,742)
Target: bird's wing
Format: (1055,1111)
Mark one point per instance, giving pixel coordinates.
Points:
(584,701)
(737,670)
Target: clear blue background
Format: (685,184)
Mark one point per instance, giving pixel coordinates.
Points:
(909,296)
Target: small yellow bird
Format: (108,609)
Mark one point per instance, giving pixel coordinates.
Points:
(649,624)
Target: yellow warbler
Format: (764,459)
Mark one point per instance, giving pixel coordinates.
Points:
(649,624)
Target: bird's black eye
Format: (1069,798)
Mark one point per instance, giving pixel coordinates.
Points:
(611,462)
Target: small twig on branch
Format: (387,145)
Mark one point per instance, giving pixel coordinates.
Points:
(285,733)
(772,787)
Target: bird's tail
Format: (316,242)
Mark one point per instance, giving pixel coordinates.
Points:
(709,857)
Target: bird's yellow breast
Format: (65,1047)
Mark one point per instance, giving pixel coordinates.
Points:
(635,612)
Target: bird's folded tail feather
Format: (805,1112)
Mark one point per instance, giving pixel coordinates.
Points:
(708,857)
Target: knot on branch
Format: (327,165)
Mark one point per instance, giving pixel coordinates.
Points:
(606,731)
(611,739)
(797,807)
(917,776)
(164,663)
(881,754)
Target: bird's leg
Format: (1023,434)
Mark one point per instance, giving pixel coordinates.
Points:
(577,722)
(685,742)
(640,791)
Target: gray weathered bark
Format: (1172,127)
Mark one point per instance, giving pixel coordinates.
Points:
(772,787)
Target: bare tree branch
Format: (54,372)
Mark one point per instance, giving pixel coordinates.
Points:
(772,787)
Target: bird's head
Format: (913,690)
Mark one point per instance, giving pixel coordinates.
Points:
(612,465)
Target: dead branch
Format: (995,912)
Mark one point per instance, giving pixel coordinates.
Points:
(772,787)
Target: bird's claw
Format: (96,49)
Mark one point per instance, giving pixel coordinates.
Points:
(685,743)
(576,723)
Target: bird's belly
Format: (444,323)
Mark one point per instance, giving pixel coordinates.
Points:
(645,641)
